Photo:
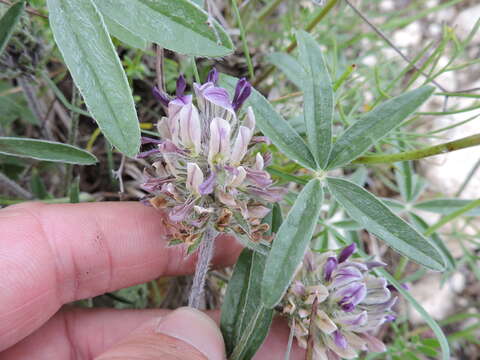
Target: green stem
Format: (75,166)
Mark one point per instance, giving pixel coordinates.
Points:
(244,39)
(344,77)
(195,70)
(450,146)
(310,26)
(401,268)
(72,137)
(446,219)
(268,10)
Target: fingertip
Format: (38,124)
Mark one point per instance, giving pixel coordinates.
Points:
(195,328)
(185,333)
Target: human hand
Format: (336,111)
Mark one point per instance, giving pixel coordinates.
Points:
(51,255)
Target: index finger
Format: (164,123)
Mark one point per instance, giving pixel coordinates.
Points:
(54,254)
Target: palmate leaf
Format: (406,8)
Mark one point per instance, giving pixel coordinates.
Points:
(87,49)
(291,242)
(318,98)
(375,124)
(378,219)
(181,25)
(45,150)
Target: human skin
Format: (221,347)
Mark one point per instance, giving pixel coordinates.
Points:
(51,255)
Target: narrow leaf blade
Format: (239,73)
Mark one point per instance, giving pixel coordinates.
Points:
(446,206)
(377,218)
(318,98)
(375,124)
(241,303)
(245,321)
(289,66)
(45,150)
(87,49)
(8,22)
(275,126)
(123,34)
(291,242)
(180,25)
(422,226)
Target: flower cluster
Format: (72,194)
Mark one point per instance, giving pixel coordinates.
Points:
(206,166)
(345,301)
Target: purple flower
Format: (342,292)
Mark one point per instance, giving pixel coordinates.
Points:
(339,339)
(242,92)
(330,265)
(208,185)
(181,86)
(206,166)
(161,96)
(346,253)
(354,304)
(213,76)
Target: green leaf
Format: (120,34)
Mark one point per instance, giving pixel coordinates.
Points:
(179,25)
(291,242)
(289,66)
(275,126)
(37,186)
(45,150)
(377,218)
(404,175)
(318,98)
(123,34)
(422,226)
(375,124)
(437,330)
(89,54)
(242,306)
(446,206)
(245,321)
(9,21)
(198,2)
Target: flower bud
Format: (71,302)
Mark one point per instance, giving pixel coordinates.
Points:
(194,177)
(219,146)
(241,145)
(190,130)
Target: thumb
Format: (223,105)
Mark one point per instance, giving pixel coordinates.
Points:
(185,333)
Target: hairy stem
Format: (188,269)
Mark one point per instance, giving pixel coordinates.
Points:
(205,254)
(447,147)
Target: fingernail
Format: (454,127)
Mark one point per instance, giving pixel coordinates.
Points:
(195,328)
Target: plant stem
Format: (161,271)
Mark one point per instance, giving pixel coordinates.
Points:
(72,136)
(447,147)
(268,10)
(391,44)
(469,177)
(344,77)
(244,39)
(195,70)
(28,10)
(14,187)
(446,219)
(310,26)
(205,254)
